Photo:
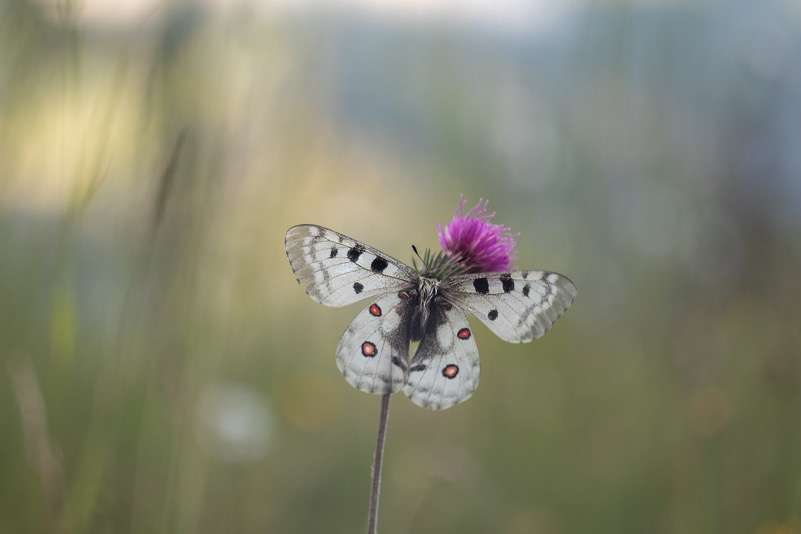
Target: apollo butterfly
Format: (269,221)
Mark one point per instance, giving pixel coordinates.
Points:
(426,305)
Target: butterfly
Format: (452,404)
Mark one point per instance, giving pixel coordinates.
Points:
(427,306)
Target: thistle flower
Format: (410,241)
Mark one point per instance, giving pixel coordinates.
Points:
(475,242)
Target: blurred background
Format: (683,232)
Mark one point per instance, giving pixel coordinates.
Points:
(162,371)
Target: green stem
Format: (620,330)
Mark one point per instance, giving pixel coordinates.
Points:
(378,460)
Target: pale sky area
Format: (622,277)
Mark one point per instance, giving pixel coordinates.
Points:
(506,14)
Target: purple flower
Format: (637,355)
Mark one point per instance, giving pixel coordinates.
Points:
(477,244)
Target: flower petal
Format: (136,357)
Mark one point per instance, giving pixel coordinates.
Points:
(474,241)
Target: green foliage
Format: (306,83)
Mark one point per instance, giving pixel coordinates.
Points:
(438,265)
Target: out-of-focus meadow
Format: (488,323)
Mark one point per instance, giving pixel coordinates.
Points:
(162,371)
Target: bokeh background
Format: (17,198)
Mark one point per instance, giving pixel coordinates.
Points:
(162,371)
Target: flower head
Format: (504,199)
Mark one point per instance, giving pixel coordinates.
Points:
(476,243)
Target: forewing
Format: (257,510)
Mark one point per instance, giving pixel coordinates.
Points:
(518,306)
(373,353)
(445,369)
(338,270)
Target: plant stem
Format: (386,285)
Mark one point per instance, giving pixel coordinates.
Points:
(378,460)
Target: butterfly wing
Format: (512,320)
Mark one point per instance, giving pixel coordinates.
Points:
(373,353)
(445,368)
(338,270)
(518,306)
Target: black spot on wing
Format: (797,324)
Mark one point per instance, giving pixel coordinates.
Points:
(355,252)
(481,285)
(333,252)
(507,282)
(492,315)
(526,290)
(378,265)
(357,287)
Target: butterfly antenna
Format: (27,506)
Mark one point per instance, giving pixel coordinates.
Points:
(414,262)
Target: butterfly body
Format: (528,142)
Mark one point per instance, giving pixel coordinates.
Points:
(423,299)
(427,306)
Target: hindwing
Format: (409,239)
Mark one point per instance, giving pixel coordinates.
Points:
(373,353)
(338,270)
(445,368)
(518,306)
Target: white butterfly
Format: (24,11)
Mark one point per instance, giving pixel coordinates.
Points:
(373,354)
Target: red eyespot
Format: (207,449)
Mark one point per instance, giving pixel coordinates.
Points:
(450,371)
(464,333)
(375,310)
(368,349)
